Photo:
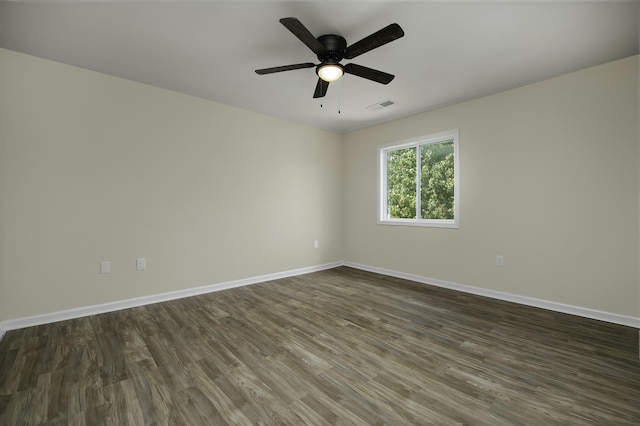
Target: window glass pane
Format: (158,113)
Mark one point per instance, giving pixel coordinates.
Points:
(418,181)
(437,181)
(401,183)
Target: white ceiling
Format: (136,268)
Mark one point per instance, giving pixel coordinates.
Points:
(451,51)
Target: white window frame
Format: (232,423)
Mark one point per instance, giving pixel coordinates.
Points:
(382,180)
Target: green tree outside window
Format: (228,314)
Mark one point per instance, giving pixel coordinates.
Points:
(436,181)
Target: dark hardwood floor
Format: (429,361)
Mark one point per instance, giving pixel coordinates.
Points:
(335,347)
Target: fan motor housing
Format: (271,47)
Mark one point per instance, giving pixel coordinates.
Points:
(336,47)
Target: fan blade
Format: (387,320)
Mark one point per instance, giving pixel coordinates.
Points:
(321,88)
(369,73)
(285,68)
(377,39)
(304,35)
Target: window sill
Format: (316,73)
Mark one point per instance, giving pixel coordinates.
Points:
(422,223)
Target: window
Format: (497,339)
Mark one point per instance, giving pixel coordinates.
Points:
(418,183)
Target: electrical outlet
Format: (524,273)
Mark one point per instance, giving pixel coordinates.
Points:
(499,260)
(141,264)
(105,267)
(315,244)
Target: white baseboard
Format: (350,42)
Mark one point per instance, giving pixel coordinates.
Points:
(147,300)
(163,297)
(523,300)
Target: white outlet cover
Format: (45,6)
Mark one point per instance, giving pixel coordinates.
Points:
(141,264)
(105,267)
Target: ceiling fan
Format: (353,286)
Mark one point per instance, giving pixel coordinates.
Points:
(331,49)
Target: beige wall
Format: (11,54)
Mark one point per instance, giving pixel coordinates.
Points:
(3,300)
(638,172)
(99,168)
(549,180)
(95,168)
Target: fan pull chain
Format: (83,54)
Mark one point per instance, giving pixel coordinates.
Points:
(339,94)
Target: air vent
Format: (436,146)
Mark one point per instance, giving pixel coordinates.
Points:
(380,105)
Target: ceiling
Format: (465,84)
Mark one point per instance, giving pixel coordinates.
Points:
(451,52)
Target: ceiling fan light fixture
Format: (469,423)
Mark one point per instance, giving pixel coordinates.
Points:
(330,72)
(330,49)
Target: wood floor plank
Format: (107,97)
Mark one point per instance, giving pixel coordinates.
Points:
(340,346)
(318,408)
